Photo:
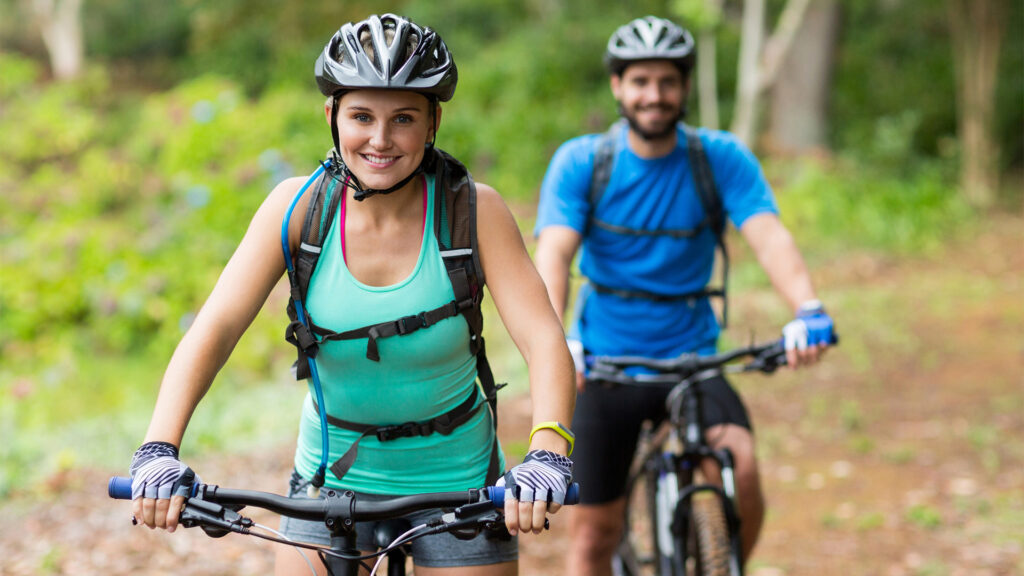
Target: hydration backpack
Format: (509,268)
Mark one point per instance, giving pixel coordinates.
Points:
(711,201)
(456,233)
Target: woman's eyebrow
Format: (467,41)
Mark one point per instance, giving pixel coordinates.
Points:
(356,107)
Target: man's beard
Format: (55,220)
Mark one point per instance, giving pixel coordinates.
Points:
(661,134)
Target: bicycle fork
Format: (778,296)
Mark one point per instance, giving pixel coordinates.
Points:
(674,471)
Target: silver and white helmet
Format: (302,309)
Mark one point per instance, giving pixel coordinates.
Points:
(650,38)
(387,51)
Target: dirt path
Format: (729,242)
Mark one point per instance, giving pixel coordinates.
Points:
(903,455)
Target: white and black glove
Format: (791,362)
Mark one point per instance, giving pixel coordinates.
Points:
(157,473)
(542,477)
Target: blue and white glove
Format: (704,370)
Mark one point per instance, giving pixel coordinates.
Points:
(157,473)
(811,327)
(576,351)
(542,477)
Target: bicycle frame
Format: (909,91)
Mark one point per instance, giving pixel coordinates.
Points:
(679,457)
(669,457)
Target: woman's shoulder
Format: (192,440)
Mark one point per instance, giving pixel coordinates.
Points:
(282,198)
(489,201)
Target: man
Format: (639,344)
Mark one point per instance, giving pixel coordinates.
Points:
(648,253)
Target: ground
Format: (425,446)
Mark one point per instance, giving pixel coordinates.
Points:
(901,455)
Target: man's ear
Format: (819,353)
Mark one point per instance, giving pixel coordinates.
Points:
(615,82)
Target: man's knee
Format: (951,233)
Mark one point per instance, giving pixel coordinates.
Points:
(596,529)
(740,443)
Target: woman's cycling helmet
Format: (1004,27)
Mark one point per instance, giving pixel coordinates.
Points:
(387,51)
(650,38)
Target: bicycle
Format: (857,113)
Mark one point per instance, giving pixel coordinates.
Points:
(676,524)
(464,513)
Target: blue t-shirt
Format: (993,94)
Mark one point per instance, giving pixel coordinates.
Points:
(649,194)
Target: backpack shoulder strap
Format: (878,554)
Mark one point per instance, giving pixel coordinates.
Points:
(705,182)
(604,163)
(320,211)
(455,221)
(711,200)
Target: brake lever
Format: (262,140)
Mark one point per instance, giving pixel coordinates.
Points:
(214,519)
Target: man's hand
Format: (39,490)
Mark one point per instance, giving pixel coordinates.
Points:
(808,336)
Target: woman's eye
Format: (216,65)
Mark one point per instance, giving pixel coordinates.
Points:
(361,117)
(403,119)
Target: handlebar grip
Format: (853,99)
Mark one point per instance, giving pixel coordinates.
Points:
(120,488)
(496,494)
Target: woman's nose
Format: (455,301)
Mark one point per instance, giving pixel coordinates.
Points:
(381,137)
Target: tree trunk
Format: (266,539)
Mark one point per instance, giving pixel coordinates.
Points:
(759,68)
(748,84)
(60,23)
(977,27)
(799,103)
(707,79)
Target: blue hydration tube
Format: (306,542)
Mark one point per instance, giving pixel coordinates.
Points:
(300,311)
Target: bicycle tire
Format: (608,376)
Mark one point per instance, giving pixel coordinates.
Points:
(708,546)
(638,550)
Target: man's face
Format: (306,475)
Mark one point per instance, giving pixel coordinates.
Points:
(650,96)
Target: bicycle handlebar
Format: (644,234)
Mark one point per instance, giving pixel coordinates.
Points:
(120,488)
(766,357)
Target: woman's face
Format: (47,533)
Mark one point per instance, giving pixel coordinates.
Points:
(382,134)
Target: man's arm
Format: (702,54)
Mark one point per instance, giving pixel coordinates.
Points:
(556,248)
(780,258)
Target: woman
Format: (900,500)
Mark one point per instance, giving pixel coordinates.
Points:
(384,78)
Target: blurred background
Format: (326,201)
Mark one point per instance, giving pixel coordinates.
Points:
(138,137)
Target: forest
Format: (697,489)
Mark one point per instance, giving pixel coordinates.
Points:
(137,138)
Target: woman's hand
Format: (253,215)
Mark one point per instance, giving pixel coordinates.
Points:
(160,484)
(534,488)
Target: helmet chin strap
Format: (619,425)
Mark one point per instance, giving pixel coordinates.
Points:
(361,193)
(352,182)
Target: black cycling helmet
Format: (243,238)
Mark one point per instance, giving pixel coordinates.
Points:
(650,38)
(387,51)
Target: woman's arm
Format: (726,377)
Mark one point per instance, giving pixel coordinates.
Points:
(240,292)
(526,311)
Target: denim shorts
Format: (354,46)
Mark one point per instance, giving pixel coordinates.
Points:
(437,550)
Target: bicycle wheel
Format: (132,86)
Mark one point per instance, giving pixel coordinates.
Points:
(707,537)
(638,548)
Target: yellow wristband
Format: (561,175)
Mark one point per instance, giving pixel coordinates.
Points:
(559,429)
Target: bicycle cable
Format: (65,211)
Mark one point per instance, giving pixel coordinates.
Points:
(392,546)
(297,548)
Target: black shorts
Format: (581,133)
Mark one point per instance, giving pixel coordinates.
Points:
(607,424)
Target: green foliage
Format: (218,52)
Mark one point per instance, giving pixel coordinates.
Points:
(871,204)
(698,14)
(122,194)
(888,64)
(924,516)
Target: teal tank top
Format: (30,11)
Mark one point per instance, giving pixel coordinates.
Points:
(420,375)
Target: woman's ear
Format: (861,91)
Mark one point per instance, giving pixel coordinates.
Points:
(328,107)
(437,121)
